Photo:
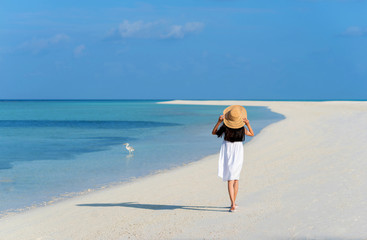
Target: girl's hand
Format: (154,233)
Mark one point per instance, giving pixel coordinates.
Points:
(220,119)
(215,129)
(246,121)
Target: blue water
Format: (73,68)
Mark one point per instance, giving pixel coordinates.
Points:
(49,149)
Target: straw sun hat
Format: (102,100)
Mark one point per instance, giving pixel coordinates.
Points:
(233,116)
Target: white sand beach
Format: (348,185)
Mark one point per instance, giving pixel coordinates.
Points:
(304,177)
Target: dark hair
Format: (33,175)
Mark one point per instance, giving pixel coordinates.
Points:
(230,134)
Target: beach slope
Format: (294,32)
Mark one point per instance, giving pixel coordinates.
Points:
(304,177)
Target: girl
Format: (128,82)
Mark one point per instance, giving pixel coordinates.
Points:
(231,151)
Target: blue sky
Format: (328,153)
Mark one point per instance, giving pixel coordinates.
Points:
(200,49)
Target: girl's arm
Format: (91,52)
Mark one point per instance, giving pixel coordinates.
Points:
(220,120)
(248,132)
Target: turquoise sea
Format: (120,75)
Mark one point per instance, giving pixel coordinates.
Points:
(56,149)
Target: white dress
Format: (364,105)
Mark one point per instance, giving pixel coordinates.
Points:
(230,160)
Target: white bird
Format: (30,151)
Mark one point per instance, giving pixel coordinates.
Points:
(129,148)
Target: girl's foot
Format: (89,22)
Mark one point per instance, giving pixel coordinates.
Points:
(232,209)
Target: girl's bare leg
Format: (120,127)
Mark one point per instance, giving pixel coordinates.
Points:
(235,186)
(231,193)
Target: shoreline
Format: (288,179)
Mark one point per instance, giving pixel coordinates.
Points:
(73,195)
(54,199)
(135,210)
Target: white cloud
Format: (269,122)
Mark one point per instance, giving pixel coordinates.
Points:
(37,44)
(355,31)
(78,51)
(179,31)
(157,30)
(175,32)
(194,26)
(135,29)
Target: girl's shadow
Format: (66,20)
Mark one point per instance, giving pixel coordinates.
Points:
(155,206)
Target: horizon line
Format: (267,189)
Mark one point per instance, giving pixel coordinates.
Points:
(168,99)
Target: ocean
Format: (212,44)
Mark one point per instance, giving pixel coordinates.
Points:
(51,150)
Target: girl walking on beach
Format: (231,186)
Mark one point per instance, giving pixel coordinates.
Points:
(234,120)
